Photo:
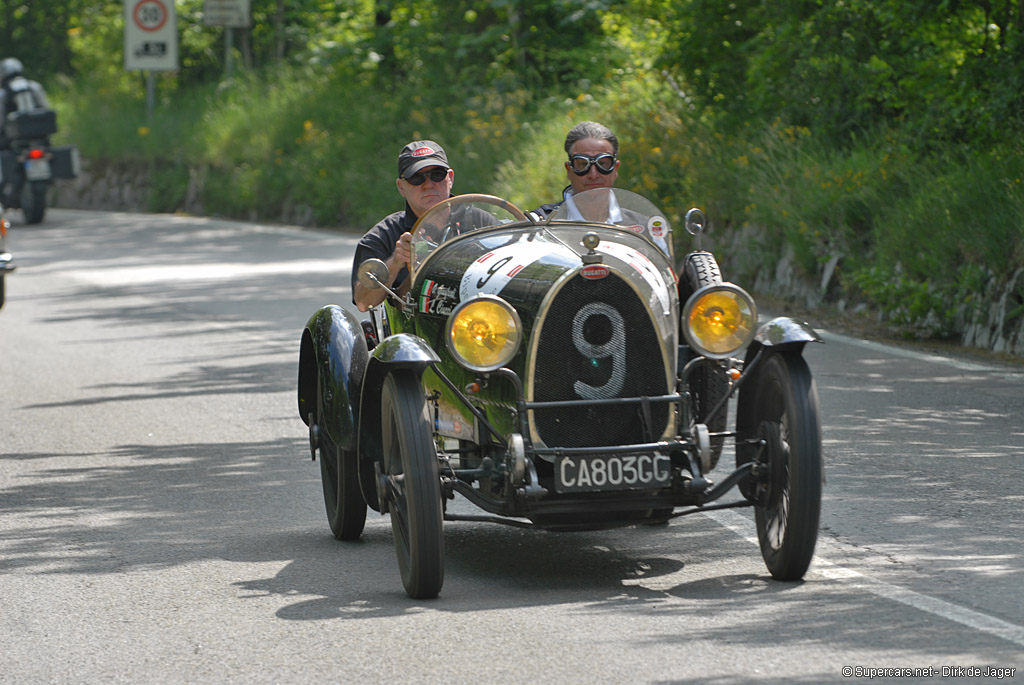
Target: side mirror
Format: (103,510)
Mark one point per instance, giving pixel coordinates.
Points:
(695,221)
(373,274)
(695,224)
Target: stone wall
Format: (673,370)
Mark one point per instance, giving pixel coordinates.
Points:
(112,187)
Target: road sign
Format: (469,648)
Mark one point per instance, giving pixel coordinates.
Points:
(229,13)
(150,35)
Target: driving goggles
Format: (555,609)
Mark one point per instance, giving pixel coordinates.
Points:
(580,164)
(437,174)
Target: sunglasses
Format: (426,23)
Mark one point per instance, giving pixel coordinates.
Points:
(436,175)
(580,164)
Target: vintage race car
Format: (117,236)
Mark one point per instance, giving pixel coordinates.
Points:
(561,374)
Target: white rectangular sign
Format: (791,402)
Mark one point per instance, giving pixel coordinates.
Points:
(150,35)
(230,13)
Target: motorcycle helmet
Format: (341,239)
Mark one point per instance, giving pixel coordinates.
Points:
(10,68)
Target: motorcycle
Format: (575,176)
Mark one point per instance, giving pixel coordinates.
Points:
(30,164)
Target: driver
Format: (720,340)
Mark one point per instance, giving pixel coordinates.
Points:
(424,179)
(593,162)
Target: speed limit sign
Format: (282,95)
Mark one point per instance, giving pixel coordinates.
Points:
(150,35)
(150,15)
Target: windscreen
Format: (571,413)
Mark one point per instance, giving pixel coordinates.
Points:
(456,216)
(621,208)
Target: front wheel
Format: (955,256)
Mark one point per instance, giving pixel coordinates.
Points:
(33,202)
(413,485)
(786,420)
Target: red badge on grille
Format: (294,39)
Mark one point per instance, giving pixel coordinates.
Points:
(594,271)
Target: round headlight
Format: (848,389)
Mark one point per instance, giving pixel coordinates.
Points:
(484,333)
(719,320)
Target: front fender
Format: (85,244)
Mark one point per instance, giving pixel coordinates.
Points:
(777,335)
(332,362)
(783,332)
(402,350)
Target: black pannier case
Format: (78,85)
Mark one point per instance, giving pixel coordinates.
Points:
(65,162)
(8,163)
(37,123)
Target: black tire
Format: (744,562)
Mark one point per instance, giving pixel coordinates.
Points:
(339,473)
(699,270)
(788,505)
(708,383)
(414,486)
(33,202)
(2,290)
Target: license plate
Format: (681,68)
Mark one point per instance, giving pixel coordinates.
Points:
(619,472)
(37,169)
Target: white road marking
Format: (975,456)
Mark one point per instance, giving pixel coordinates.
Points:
(914,354)
(938,607)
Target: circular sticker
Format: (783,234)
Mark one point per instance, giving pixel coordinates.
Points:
(658,226)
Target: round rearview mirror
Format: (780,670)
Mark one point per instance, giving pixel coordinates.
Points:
(373,274)
(695,221)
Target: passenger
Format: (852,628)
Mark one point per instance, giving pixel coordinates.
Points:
(593,162)
(424,179)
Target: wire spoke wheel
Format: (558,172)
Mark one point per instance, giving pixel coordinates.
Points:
(413,485)
(788,504)
(339,473)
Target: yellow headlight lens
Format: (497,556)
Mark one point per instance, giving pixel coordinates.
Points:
(484,333)
(720,320)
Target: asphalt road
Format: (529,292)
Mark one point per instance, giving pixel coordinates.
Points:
(161,521)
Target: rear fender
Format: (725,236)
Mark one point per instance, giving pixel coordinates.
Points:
(333,357)
(400,351)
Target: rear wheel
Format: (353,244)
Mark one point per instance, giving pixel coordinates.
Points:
(788,503)
(339,472)
(33,202)
(413,485)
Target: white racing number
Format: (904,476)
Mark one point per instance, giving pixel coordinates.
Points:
(629,471)
(614,347)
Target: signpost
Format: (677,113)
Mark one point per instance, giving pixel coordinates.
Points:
(230,14)
(150,40)
(150,35)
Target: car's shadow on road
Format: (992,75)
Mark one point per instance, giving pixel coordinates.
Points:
(494,567)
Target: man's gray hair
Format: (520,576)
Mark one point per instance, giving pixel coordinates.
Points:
(591,129)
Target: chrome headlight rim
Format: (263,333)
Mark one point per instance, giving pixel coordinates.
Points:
(743,295)
(508,356)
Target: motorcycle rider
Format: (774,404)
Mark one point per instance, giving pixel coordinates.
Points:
(17,94)
(593,162)
(424,179)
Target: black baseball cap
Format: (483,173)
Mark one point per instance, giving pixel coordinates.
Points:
(419,154)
